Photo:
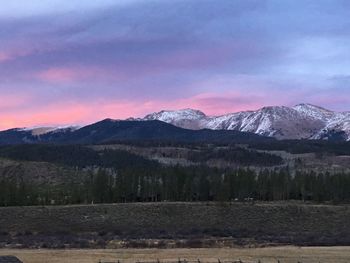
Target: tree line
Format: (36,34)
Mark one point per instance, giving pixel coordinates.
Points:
(180,184)
(240,156)
(118,176)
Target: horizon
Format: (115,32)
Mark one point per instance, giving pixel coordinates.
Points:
(76,63)
(81,125)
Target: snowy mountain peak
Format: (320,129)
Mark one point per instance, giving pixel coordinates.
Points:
(311,107)
(168,115)
(315,112)
(183,113)
(303,121)
(185,118)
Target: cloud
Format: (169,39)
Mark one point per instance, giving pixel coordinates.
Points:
(17,113)
(10,102)
(16,8)
(217,56)
(59,75)
(4,57)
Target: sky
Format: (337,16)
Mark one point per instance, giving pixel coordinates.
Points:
(77,62)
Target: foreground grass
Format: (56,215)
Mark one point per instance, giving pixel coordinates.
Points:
(99,226)
(288,254)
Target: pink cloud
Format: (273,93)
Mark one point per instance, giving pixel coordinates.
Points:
(4,57)
(8,101)
(68,113)
(85,112)
(81,113)
(65,74)
(14,53)
(76,73)
(41,116)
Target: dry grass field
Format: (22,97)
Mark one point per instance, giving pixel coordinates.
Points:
(288,254)
(103,226)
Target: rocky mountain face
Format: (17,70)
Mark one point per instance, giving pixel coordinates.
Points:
(303,121)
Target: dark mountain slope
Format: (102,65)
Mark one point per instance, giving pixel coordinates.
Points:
(17,136)
(111,130)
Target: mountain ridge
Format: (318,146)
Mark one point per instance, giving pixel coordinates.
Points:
(109,131)
(302,121)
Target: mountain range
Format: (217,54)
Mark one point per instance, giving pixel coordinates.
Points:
(303,121)
(109,131)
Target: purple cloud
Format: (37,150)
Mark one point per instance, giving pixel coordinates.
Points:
(246,53)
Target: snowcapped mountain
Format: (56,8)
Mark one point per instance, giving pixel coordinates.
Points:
(338,126)
(315,112)
(35,134)
(303,121)
(37,131)
(186,118)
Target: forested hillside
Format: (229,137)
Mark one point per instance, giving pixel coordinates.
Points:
(110,175)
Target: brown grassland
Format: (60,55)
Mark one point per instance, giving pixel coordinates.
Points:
(290,232)
(287,254)
(105,226)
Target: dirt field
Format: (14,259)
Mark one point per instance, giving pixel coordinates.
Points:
(268,255)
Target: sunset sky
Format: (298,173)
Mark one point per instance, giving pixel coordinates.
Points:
(76,62)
